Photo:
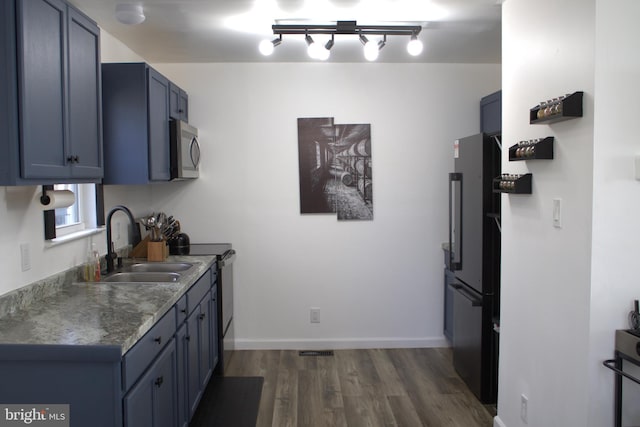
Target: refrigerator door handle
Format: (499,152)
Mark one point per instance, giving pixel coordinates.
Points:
(455,251)
(474,300)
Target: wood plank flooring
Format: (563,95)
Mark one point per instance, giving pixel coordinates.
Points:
(354,388)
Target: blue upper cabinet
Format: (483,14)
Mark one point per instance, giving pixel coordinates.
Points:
(136,124)
(50,112)
(178,103)
(85,97)
(491,113)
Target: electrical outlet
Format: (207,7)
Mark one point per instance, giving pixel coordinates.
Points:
(25,256)
(524,408)
(315,315)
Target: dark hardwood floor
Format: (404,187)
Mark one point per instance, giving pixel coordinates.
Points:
(353,388)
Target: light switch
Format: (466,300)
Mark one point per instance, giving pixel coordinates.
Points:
(557,213)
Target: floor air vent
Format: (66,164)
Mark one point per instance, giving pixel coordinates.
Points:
(316,353)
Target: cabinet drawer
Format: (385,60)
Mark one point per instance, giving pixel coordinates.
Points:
(140,356)
(181,310)
(198,291)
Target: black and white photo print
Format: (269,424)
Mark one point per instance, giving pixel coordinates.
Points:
(335,168)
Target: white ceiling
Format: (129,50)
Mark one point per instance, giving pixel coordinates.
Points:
(454,31)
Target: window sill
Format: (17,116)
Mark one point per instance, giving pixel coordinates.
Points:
(73,236)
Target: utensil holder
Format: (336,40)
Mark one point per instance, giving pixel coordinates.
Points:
(157,251)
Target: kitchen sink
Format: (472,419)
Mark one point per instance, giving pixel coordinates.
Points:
(142,276)
(157,267)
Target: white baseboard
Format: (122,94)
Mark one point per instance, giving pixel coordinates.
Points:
(338,343)
(497,422)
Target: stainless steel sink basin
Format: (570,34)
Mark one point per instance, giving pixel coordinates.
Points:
(157,267)
(141,277)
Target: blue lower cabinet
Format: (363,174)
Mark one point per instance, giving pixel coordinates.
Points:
(213,319)
(157,383)
(152,402)
(192,359)
(182,343)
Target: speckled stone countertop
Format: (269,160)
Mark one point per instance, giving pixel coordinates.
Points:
(65,311)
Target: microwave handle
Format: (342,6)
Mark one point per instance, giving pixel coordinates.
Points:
(195,154)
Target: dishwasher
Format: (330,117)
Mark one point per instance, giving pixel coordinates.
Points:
(225,257)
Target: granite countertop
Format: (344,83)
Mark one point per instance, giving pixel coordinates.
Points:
(77,313)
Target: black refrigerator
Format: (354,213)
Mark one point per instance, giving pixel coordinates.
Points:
(474,260)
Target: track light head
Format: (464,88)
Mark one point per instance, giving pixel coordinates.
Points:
(330,43)
(363,39)
(315,50)
(382,43)
(267,47)
(308,39)
(414,47)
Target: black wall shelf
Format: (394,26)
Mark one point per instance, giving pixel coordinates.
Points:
(513,183)
(540,149)
(570,108)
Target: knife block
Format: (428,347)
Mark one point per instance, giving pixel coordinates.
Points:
(157,251)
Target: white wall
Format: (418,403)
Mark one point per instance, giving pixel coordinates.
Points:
(565,291)
(376,282)
(548,50)
(616,195)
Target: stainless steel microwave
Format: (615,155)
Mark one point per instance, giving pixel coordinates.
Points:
(185,151)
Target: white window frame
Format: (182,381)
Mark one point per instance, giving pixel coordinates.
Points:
(87,219)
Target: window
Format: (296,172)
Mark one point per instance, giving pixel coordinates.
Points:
(79,218)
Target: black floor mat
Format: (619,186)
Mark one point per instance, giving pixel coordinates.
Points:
(229,402)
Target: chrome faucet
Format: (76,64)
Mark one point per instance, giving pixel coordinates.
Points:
(134,239)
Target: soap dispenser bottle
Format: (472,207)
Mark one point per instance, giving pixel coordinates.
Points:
(92,265)
(95,257)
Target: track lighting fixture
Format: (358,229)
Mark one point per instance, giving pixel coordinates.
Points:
(371,49)
(267,47)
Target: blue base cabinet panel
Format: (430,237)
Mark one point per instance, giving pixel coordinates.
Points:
(50,105)
(157,383)
(88,378)
(152,402)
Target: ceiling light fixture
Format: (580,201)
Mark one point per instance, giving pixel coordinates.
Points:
(130,14)
(371,49)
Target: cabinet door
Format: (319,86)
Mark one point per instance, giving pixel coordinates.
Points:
(158,126)
(41,42)
(178,103)
(182,374)
(213,324)
(184,106)
(152,401)
(85,123)
(193,377)
(204,338)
